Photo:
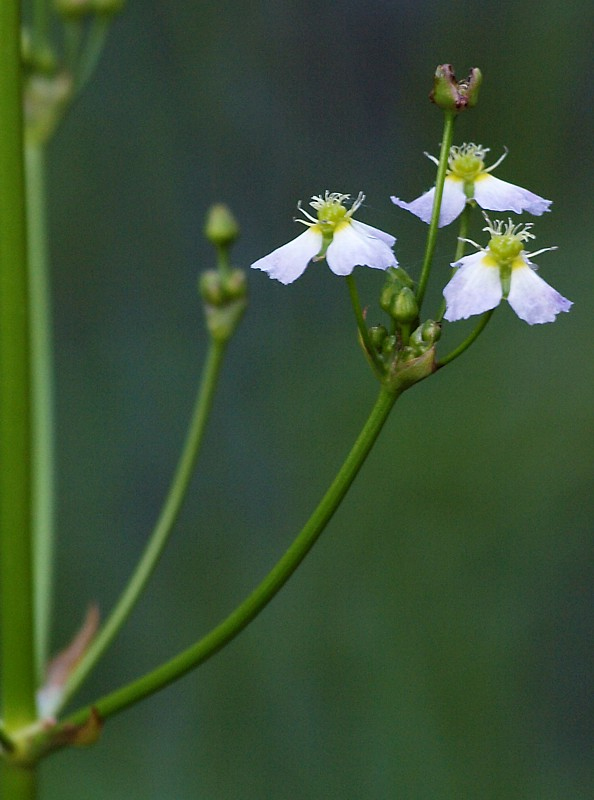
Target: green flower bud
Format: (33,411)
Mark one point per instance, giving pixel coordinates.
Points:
(404,307)
(210,286)
(221,228)
(452,95)
(430,331)
(377,334)
(389,345)
(225,301)
(235,285)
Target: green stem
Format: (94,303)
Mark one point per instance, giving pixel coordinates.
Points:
(268,588)
(446,143)
(42,389)
(163,527)
(91,51)
(460,247)
(363,331)
(16,592)
(18,783)
(468,341)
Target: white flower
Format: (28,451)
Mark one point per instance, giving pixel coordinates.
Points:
(467,179)
(333,235)
(502,270)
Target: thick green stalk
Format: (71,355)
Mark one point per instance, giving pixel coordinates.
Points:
(42,401)
(18,783)
(163,527)
(16,593)
(446,143)
(268,588)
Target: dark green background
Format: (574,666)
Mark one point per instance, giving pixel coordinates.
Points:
(437,644)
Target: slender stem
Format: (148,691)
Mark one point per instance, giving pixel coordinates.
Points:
(16,593)
(363,331)
(468,341)
(268,588)
(91,51)
(18,783)
(446,143)
(163,527)
(42,395)
(460,247)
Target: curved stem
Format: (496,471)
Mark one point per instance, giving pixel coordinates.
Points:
(42,393)
(268,588)
(446,143)
(163,527)
(363,331)
(468,341)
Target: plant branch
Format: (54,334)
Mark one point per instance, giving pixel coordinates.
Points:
(247,611)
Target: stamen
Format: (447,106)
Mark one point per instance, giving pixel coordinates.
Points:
(314,220)
(499,160)
(543,250)
(432,158)
(356,204)
(465,150)
(473,243)
(500,228)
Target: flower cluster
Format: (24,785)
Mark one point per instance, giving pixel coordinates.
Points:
(500,271)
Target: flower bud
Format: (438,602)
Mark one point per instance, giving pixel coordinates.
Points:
(404,307)
(221,228)
(452,95)
(389,345)
(210,287)
(430,331)
(377,334)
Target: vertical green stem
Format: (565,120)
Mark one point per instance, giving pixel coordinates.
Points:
(446,143)
(42,400)
(16,592)
(18,783)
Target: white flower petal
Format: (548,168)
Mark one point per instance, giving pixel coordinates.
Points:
(369,230)
(452,202)
(494,194)
(533,299)
(288,262)
(474,289)
(352,245)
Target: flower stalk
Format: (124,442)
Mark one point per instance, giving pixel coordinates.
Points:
(248,610)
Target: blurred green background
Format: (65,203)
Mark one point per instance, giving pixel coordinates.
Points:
(437,643)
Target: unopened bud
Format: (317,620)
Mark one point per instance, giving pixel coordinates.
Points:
(377,334)
(430,331)
(404,307)
(218,289)
(221,228)
(452,95)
